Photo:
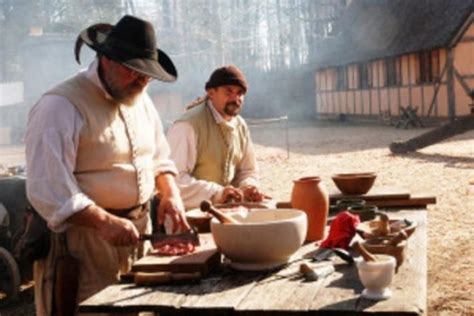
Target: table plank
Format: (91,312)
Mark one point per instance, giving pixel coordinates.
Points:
(284,290)
(127,298)
(281,292)
(227,290)
(375,193)
(419,201)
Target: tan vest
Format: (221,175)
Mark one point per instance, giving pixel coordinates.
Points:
(114,164)
(220,148)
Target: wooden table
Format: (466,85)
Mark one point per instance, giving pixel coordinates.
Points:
(280,292)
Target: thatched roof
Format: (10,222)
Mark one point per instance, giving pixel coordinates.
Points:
(373,29)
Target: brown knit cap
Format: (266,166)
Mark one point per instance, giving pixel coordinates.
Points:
(227,75)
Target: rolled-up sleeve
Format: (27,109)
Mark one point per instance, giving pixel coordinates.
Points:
(51,145)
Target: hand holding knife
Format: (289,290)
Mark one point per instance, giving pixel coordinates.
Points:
(160,238)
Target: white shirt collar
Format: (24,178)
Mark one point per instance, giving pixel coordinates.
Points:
(92,73)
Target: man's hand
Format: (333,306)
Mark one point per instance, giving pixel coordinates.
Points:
(231,194)
(253,194)
(119,232)
(171,205)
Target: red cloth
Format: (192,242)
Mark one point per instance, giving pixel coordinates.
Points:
(342,230)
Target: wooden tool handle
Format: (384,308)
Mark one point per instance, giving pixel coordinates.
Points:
(384,224)
(402,235)
(206,206)
(152,278)
(308,272)
(191,276)
(363,252)
(155,278)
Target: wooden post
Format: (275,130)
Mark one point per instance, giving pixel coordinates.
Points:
(463,83)
(317,94)
(287,139)
(361,97)
(370,85)
(400,69)
(354,88)
(437,86)
(379,84)
(422,88)
(409,80)
(450,86)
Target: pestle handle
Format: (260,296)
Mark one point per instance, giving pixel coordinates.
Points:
(206,206)
(363,252)
(384,224)
(402,235)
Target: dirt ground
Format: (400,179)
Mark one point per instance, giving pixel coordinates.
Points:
(444,170)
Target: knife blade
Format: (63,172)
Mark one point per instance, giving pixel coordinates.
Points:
(190,236)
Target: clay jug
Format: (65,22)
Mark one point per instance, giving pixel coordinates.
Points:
(311,196)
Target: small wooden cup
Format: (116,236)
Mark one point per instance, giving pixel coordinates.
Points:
(379,245)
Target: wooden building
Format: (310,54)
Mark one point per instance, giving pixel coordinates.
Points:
(391,53)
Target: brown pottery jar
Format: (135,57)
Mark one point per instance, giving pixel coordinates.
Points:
(311,196)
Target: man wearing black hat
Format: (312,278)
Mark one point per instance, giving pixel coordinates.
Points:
(211,145)
(95,154)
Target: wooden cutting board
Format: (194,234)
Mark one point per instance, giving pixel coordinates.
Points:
(203,259)
(376,193)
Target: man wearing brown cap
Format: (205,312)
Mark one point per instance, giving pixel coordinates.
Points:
(96,154)
(211,145)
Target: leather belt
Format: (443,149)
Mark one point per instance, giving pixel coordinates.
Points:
(133,213)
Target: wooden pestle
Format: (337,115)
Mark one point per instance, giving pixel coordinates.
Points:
(206,206)
(384,224)
(363,252)
(395,240)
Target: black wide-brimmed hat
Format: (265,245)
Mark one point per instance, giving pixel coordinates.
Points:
(132,43)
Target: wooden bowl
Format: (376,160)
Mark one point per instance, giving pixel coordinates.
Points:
(371,229)
(354,183)
(379,245)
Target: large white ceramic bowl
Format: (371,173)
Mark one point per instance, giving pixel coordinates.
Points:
(265,239)
(376,276)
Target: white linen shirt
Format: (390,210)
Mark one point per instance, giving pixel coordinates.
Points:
(52,138)
(183,144)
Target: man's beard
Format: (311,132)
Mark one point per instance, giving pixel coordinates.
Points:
(232,109)
(127,95)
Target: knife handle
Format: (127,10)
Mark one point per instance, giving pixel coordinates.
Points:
(144,237)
